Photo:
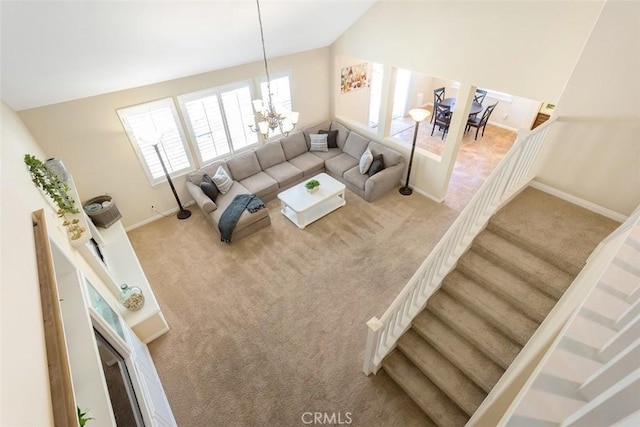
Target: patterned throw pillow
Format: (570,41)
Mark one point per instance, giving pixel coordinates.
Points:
(376,166)
(318,142)
(209,188)
(222,180)
(332,138)
(365,161)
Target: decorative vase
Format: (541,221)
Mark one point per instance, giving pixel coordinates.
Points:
(57,168)
(313,190)
(131,297)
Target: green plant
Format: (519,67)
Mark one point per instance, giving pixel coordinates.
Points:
(312,184)
(50,184)
(82,417)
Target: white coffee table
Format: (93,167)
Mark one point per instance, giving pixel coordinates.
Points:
(302,207)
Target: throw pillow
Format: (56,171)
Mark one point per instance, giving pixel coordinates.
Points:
(365,161)
(209,188)
(332,138)
(318,142)
(222,180)
(376,166)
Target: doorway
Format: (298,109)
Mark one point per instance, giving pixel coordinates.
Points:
(121,393)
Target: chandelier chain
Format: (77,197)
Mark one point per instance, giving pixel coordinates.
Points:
(264,54)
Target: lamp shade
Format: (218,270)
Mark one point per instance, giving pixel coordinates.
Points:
(419,114)
(257,105)
(263,127)
(293,117)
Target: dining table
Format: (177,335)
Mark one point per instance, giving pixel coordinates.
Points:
(476,107)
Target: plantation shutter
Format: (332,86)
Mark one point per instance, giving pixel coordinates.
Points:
(238,113)
(153,123)
(207,127)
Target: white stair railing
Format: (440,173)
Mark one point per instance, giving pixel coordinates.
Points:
(511,175)
(590,375)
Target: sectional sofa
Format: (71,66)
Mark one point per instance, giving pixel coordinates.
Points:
(278,165)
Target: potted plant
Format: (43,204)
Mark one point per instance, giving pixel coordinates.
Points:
(312,186)
(57,190)
(82,417)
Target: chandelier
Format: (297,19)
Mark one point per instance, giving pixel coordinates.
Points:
(268,117)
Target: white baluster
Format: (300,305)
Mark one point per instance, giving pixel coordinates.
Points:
(615,370)
(624,338)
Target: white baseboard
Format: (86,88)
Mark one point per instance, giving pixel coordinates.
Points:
(500,125)
(157,217)
(578,201)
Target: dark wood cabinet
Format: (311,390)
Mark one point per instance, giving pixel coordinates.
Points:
(540,119)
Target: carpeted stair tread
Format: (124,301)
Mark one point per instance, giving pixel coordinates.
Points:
(556,230)
(473,362)
(442,410)
(502,315)
(451,380)
(531,301)
(493,343)
(544,275)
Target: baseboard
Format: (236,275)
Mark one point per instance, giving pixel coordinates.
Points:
(500,125)
(157,217)
(578,201)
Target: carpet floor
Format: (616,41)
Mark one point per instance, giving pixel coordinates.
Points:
(272,327)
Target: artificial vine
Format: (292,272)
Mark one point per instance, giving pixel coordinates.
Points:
(58,190)
(50,184)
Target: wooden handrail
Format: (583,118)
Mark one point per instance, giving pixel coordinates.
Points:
(62,398)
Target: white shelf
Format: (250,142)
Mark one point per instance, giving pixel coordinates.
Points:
(123,266)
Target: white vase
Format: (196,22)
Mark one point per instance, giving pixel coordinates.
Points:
(57,168)
(313,190)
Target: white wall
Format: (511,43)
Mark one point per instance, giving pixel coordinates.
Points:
(599,159)
(527,49)
(88,137)
(24,382)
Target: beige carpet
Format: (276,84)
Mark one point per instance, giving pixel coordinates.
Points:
(273,325)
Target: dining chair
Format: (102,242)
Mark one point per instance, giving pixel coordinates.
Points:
(442,118)
(438,96)
(480,95)
(481,122)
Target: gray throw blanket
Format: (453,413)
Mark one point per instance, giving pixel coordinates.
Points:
(231,215)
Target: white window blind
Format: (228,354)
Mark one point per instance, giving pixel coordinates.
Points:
(153,123)
(218,120)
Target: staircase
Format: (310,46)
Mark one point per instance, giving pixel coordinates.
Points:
(489,306)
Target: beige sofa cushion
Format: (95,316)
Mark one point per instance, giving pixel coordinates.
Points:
(210,169)
(343,133)
(285,173)
(243,165)
(270,154)
(294,145)
(340,164)
(355,145)
(260,184)
(308,163)
(247,218)
(389,156)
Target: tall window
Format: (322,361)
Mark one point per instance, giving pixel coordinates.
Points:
(218,120)
(280,93)
(157,123)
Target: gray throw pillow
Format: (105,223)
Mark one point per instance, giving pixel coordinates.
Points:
(332,138)
(209,188)
(376,166)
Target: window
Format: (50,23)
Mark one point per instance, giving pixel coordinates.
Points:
(152,123)
(280,94)
(218,120)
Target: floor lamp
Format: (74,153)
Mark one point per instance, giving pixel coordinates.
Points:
(182,213)
(419,115)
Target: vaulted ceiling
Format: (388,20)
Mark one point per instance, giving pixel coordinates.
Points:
(56,51)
